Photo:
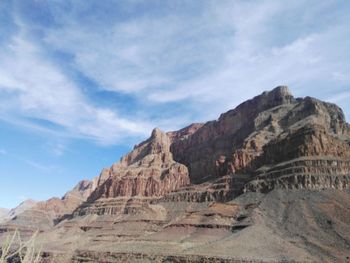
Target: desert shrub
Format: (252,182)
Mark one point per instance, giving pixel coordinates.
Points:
(14,249)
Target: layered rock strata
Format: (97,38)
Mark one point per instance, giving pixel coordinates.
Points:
(267,181)
(256,131)
(148,171)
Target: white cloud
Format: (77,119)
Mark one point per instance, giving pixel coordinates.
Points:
(210,58)
(34,87)
(38,166)
(143,54)
(212,55)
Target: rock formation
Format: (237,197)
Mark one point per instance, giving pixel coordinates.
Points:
(242,133)
(148,171)
(267,181)
(31,215)
(23,206)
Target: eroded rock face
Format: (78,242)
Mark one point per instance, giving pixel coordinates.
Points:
(222,137)
(148,171)
(242,133)
(307,141)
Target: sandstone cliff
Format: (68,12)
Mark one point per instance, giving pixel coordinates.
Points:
(149,170)
(241,134)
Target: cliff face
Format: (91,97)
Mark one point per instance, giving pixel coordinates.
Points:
(308,141)
(227,134)
(241,134)
(148,171)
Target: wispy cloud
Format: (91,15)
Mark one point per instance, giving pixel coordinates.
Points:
(212,55)
(170,58)
(340,97)
(34,87)
(36,165)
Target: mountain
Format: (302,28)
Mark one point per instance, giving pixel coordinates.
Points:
(25,205)
(30,215)
(266,182)
(7,215)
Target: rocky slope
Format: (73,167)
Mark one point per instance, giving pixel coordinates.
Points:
(31,215)
(22,207)
(267,182)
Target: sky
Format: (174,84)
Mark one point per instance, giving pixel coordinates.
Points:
(83,81)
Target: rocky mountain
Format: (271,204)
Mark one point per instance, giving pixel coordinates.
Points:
(241,134)
(23,206)
(268,181)
(7,215)
(31,215)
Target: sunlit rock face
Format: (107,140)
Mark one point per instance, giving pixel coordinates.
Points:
(244,134)
(149,170)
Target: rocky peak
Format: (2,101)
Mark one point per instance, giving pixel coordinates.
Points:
(241,134)
(25,205)
(281,92)
(156,132)
(268,99)
(81,191)
(159,142)
(148,170)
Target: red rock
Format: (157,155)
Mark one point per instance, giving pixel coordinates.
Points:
(149,170)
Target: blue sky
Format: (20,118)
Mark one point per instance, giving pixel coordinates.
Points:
(81,82)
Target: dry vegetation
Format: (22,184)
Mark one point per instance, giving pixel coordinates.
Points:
(24,251)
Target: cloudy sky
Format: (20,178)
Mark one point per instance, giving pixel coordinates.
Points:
(82,81)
